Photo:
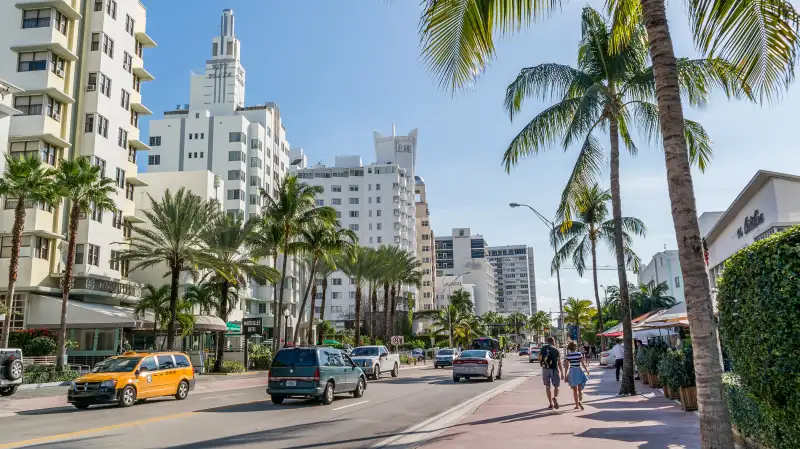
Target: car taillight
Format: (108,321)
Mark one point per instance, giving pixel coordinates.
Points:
(316,375)
(268,375)
(482,362)
(457,362)
(605,354)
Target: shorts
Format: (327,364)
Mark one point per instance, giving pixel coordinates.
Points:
(550,376)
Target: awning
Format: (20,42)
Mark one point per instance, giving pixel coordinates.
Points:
(209,323)
(45,312)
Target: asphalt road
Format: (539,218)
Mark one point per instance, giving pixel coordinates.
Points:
(245,417)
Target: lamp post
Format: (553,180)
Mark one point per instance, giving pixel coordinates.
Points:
(449,286)
(286,314)
(552,227)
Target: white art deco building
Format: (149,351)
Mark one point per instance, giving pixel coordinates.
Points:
(462,256)
(515,280)
(376,201)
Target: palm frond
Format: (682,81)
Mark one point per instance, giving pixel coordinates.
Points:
(699,143)
(544,81)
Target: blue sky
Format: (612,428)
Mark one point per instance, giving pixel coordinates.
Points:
(342,69)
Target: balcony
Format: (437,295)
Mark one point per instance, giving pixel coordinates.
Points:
(145,39)
(65,7)
(48,45)
(143,74)
(141,109)
(133,180)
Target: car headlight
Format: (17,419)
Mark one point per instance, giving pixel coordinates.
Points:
(72,385)
(108,384)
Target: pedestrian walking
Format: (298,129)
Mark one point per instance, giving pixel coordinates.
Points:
(552,371)
(594,352)
(619,355)
(576,378)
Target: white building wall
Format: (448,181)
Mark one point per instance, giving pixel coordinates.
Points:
(469,262)
(665,267)
(514,278)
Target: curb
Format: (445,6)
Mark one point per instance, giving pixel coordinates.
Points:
(417,435)
(23,387)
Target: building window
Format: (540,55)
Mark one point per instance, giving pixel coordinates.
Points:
(155,141)
(353,214)
(425,223)
(29,105)
(107,42)
(426,237)
(262,307)
(354,188)
(32,61)
(110,7)
(113,261)
(255,162)
(378,213)
(36,18)
(677,281)
(336,188)
(380,239)
(129,191)
(127,62)
(236,175)
(336,201)
(154,159)
(354,227)
(105,85)
(41,248)
(134,119)
(49,154)
(353,201)
(336,295)
(137,83)
(53,109)
(336,281)
(120,178)
(378,199)
(129,24)
(102,126)
(116,218)
(255,200)
(235,194)
(237,137)
(93,255)
(122,140)
(125,100)
(338,214)
(319,203)
(97,162)
(236,156)
(79,254)
(255,181)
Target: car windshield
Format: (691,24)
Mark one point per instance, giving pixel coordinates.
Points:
(364,351)
(446,352)
(473,354)
(294,357)
(117,365)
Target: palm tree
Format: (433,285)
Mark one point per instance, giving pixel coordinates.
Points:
(757,37)
(579,312)
(408,273)
(87,190)
(322,241)
(231,251)
(25,183)
(462,301)
(156,300)
(491,320)
(579,238)
(652,297)
(293,210)
(204,296)
(516,321)
(324,271)
(355,263)
(374,277)
(174,237)
(269,242)
(393,263)
(538,322)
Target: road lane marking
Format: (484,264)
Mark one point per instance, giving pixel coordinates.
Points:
(62,436)
(222,396)
(349,405)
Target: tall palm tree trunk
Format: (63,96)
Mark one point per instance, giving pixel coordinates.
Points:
(395,291)
(173,306)
(305,301)
(374,317)
(386,333)
(66,285)
(13,269)
(155,328)
(597,293)
(627,387)
(358,316)
(715,424)
(322,309)
(223,314)
(279,315)
(310,338)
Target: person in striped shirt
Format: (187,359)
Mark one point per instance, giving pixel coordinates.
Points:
(576,378)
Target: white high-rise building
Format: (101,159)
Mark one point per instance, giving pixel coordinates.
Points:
(376,201)
(245,146)
(81,67)
(425,254)
(464,257)
(514,277)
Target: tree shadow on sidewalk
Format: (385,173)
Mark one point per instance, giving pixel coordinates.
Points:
(507,419)
(650,437)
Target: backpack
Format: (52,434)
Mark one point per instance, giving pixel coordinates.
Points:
(544,357)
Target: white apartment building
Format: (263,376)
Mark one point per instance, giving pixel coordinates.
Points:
(664,267)
(447,285)
(244,146)
(464,256)
(7,92)
(80,64)
(515,279)
(425,238)
(376,201)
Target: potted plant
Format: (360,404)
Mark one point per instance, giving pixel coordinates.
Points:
(670,372)
(688,387)
(642,363)
(654,354)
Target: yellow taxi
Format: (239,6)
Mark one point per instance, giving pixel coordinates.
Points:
(134,376)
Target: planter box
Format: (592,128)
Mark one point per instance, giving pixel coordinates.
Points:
(653,380)
(643,376)
(688,397)
(669,393)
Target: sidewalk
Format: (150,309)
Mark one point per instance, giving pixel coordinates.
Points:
(520,419)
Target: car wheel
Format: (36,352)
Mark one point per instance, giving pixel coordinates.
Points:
(491,376)
(377,372)
(183,390)
(127,397)
(327,395)
(499,372)
(14,370)
(81,406)
(359,391)
(8,391)
(456,379)
(277,400)
(396,370)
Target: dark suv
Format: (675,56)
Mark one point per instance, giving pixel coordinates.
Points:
(313,372)
(11,370)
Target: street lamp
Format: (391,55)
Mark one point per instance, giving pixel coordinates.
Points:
(449,286)
(286,314)
(552,227)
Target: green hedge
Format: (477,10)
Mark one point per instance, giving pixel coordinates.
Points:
(39,374)
(676,368)
(759,311)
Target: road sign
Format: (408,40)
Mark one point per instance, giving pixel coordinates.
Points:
(251,326)
(397,340)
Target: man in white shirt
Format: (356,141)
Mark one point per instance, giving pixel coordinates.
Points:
(619,355)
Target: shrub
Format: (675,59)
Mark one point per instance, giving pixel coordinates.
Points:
(404,358)
(654,354)
(745,413)
(40,346)
(260,356)
(232,366)
(643,359)
(39,374)
(18,339)
(759,312)
(672,370)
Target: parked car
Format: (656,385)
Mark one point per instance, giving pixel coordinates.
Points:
(524,351)
(607,358)
(476,363)
(533,355)
(418,354)
(134,376)
(313,372)
(445,357)
(375,360)
(11,371)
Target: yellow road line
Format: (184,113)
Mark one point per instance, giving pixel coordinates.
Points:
(63,436)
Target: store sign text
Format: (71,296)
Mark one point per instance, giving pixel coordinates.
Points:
(750,223)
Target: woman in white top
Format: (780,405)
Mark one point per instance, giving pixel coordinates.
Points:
(575,375)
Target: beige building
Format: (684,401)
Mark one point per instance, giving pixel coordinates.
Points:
(81,67)
(425,253)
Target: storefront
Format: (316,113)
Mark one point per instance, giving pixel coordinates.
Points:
(768,204)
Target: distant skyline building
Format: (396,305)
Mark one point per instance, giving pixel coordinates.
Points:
(515,279)
(664,267)
(465,255)
(425,254)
